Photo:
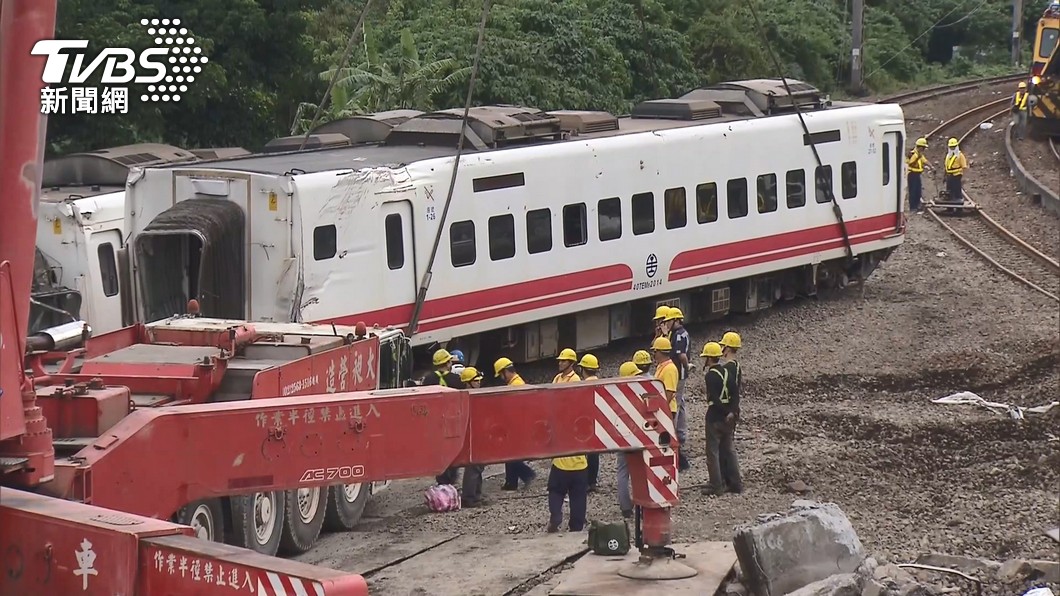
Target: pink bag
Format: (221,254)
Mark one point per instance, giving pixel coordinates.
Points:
(442,497)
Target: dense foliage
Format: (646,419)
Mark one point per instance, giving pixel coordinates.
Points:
(271,60)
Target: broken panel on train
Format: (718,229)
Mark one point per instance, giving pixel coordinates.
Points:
(194,249)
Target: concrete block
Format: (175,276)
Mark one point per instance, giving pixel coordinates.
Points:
(843,584)
(790,551)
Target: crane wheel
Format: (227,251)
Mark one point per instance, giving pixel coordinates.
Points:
(345,506)
(206,517)
(257,521)
(303,519)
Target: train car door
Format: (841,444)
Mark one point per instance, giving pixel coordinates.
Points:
(399,263)
(103,310)
(893,159)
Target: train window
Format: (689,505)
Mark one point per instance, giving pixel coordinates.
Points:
(767,193)
(502,237)
(796,183)
(707,202)
(108,269)
(1048,43)
(736,195)
(609,218)
(643,213)
(823,183)
(325,242)
(498,182)
(886,164)
(848,176)
(674,209)
(574,225)
(462,243)
(538,231)
(395,242)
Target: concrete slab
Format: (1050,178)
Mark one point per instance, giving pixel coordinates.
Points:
(367,552)
(477,565)
(594,575)
(1054,534)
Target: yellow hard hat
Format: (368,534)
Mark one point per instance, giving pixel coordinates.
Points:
(711,350)
(661,344)
(470,373)
(661,312)
(500,365)
(1022,85)
(730,340)
(589,361)
(921,142)
(441,357)
(675,313)
(628,369)
(953,142)
(567,354)
(641,358)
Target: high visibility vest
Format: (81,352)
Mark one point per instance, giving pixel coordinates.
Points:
(441,378)
(953,165)
(916,162)
(1020,101)
(567,377)
(724,374)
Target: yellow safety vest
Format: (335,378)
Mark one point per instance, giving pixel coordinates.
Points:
(567,377)
(916,162)
(1021,101)
(724,374)
(953,165)
(441,378)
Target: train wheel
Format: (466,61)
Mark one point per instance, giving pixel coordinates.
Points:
(345,506)
(303,518)
(206,517)
(257,521)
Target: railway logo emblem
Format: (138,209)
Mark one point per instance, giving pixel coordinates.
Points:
(651,266)
(165,70)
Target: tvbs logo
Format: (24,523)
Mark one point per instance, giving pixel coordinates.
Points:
(165,68)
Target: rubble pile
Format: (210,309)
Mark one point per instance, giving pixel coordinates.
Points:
(813,550)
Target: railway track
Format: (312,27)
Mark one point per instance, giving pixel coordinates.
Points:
(913,97)
(1054,146)
(984,235)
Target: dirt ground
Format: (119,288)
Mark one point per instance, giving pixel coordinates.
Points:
(838,394)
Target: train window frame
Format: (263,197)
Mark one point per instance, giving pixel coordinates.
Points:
(459,248)
(772,200)
(394,239)
(794,200)
(886,164)
(535,238)
(325,242)
(736,205)
(108,269)
(675,208)
(643,225)
(818,173)
(505,249)
(848,179)
(707,192)
(578,223)
(609,210)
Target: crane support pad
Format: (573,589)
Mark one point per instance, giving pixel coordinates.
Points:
(59,547)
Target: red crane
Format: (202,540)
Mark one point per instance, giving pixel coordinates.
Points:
(92,523)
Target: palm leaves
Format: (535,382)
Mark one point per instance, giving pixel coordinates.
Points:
(377,84)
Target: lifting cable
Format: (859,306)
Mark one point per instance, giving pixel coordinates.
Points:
(809,137)
(425,283)
(335,75)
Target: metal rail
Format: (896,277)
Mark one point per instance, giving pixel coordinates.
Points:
(1054,146)
(912,97)
(989,239)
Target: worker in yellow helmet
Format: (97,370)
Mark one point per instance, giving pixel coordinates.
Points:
(569,476)
(642,360)
(666,371)
(565,363)
(680,343)
(1019,110)
(723,470)
(731,343)
(514,471)
(471,491)
(589,369)
(625,497)
(661,328)
(956,165)
(915,164)
(444,376)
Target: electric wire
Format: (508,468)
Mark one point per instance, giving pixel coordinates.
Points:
(425,283)
(335,76)
(936,25)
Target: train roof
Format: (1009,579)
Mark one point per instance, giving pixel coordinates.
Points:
(399,139)
(73,193)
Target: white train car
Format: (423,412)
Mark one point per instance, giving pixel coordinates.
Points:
(565,229)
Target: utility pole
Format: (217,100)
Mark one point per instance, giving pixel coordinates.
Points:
(1017,28)
(856,36)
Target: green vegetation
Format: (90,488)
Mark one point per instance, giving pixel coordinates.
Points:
(271,60)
